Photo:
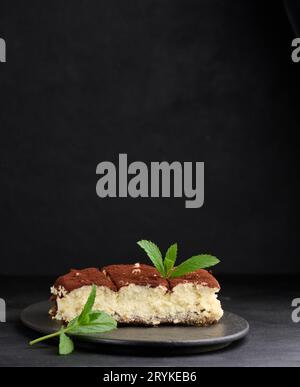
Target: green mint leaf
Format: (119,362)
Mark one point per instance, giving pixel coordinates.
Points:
(98,322)
(83,317)
(95,322)
(100,316)
(66,345)
(91,329)
(170,258)
(72,323)
(194,263)
(154,254)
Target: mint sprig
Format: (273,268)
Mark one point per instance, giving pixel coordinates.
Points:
(66,344)
(89,321)
(200,261)
(170,259)
(166,266)
(154,254)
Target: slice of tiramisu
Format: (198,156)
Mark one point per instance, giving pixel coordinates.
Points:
(142,294)
(70,292)
(137,294)
(194,299)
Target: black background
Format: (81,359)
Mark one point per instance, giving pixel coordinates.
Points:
(186,80)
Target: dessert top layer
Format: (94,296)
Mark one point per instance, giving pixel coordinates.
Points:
(137,274)
(201,277)
(77,278)
(117,276)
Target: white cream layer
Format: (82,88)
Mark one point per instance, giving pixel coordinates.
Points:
(152,305)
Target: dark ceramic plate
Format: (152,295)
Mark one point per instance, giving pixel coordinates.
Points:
(157,340)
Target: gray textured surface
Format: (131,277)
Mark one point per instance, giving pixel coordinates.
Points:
(273,339)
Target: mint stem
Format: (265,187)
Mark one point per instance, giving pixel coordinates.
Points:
(48,336)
